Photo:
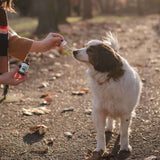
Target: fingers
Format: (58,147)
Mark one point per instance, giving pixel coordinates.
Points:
(58,42)
(20,80)
(57,35)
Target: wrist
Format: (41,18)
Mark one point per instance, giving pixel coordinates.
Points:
(36,46)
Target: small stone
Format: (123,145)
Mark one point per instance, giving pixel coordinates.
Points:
(157,69)
(58,75)
(44,70)
(153,61)
(43,85)
(57,64)
(51,56)
(88,111)
(52,78)
(67,65)
(68,134)
(144,80)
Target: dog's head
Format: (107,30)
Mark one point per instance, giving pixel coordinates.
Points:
(102,57)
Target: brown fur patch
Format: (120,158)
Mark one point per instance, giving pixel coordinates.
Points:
(104,59)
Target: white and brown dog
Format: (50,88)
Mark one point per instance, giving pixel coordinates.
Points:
(115,86)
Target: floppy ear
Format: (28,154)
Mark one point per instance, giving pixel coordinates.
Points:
(107,60)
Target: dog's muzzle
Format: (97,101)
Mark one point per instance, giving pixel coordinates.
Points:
(75,53)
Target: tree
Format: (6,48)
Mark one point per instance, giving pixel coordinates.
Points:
(87,9)
(46,13)
(62,10)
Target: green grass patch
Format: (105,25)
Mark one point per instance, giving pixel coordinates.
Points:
(73,19)
(24,26)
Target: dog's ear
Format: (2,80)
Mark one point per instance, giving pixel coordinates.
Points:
(103,58)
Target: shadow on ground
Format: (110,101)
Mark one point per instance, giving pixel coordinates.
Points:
(32,138)
(120,155)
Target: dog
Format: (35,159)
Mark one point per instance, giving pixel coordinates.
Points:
(115,86)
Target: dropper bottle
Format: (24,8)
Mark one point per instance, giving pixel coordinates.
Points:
(24,67)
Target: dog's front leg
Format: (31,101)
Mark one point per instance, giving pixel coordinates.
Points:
(124,133)
(99,121)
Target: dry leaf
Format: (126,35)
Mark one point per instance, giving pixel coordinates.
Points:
(67,110)
(42,129)
(48,99)
(45,94)
(49,141)
(80,92)
(37,111)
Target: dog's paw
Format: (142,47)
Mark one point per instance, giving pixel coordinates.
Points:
(127,148)
(96,155)
(108,129)
(98,150)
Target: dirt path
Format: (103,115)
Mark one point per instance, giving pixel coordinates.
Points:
(140,45)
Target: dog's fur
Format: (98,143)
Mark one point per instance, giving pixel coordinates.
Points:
(115,86)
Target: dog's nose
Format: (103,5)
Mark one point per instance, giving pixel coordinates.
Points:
(75,53)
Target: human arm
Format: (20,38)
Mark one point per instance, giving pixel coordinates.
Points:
(19,47)
(50,42)
(9,78)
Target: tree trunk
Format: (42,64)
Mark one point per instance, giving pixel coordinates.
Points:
(87,9)
(62,8)
(46,12)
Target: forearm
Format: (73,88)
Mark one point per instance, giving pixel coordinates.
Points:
(37,46)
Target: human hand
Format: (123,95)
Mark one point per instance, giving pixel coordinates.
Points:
(12,78)
(51,41)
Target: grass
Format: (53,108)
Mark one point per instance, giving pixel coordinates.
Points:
(24,26)
(73,19)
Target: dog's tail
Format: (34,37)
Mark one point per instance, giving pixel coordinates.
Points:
(112,41)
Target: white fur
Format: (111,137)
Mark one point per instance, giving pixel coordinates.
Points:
(113,99)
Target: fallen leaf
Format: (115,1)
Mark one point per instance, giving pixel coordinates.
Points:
(45,94)
(49,141)
(151,158)
(48,99)
(139,65)
(80,92)
(42,129)
(37,111)
(67,110)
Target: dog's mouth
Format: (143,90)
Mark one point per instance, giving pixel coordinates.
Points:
(75,53)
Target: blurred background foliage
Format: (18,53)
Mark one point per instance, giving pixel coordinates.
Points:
(47,14)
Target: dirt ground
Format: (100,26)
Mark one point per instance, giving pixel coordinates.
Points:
(140,45)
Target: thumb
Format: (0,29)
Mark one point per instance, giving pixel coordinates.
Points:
(58,42)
